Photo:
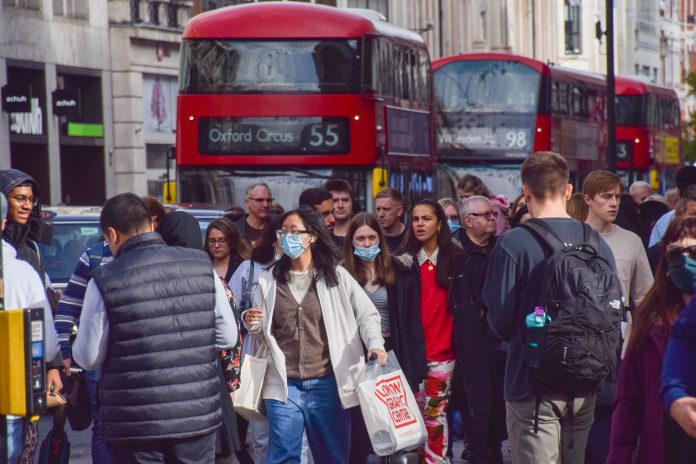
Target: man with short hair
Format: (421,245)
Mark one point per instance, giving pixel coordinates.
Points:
(153,320)
(258,201)
(320,201)
(686,177)
(511,291)
(478,224)
(602,194)
(389,208)
(484,433)
(342,195)
(24,290)
(640,191)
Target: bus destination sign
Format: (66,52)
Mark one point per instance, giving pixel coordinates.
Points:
(273,135)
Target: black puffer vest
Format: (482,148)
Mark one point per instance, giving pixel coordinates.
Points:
(160,379)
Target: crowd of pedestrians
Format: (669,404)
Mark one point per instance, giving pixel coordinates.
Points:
(458,289)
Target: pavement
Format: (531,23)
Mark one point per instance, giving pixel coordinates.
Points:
(81,453)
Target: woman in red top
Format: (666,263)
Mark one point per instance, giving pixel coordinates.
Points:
(450,319)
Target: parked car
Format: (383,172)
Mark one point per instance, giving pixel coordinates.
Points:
(76,228)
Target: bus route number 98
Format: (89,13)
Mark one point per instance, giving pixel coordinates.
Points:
(516,139)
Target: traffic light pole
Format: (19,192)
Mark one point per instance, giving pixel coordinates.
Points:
(611,89)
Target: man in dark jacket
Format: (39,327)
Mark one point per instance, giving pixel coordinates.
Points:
(258,201)
(477,238)
(23,229)
(152,320)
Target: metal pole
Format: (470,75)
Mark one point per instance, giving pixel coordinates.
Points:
(439,29)
(611,89)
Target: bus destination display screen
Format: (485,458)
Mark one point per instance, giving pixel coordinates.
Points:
(273,135)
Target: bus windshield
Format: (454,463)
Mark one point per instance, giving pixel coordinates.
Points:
(272,66)
(487,86)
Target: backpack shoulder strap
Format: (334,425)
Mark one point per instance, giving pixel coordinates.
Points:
(590,237)
(541,230)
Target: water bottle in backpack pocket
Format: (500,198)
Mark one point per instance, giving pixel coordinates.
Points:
(536,330)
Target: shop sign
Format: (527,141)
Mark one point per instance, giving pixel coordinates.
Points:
(28,123)
(66,102)
(16,99)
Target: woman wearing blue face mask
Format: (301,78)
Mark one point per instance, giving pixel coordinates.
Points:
(367,258)
(638,422)
(314,319)
(454,221)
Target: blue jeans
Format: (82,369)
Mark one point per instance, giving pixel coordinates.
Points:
(15,425)
(100,453)
(313,405)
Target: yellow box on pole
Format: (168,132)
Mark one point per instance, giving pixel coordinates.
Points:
(23,379)
(380,180)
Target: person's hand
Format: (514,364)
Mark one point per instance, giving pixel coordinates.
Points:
(381,356)
(253,316)
(53,383)
(67,363)
(683,411)
(59,295)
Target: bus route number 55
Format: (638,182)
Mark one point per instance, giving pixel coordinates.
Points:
(325,135)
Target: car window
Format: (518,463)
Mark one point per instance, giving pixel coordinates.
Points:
(70,240)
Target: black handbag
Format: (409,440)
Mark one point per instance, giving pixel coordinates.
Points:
(55,448)
(79,408)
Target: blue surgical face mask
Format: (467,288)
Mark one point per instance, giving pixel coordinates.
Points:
(367,254)
(683,274)
(292,245)
(453,225)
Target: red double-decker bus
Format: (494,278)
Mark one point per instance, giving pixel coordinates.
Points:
(292,94)
(648,132)
(493,109)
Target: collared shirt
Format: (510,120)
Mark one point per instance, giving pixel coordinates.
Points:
(423,257)
(92,342)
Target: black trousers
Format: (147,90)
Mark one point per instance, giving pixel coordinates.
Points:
(195,450)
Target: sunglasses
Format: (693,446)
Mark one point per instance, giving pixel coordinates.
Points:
(675,252)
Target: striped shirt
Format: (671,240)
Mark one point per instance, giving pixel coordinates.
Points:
(70,305)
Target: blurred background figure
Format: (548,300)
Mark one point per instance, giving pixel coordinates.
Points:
(639,191)
(470,185)
(576,207)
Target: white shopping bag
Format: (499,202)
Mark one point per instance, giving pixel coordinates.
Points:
(393,420)
(248,400)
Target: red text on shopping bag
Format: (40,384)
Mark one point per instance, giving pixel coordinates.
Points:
(391,392)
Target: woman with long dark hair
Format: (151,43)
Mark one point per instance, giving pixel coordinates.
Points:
(314,318)
(432,275)
(225,246)
(638,418)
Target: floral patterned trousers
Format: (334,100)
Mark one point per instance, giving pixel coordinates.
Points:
(432,398)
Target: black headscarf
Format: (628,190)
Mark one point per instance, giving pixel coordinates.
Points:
(180,228)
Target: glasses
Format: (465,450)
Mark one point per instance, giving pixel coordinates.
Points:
(25,199)
(675,252)
(262,200)
(218,241)
(281,234)
(487,214)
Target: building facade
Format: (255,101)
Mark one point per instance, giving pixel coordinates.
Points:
(56,85)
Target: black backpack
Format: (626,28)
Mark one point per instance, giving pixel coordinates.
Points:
(581,293)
